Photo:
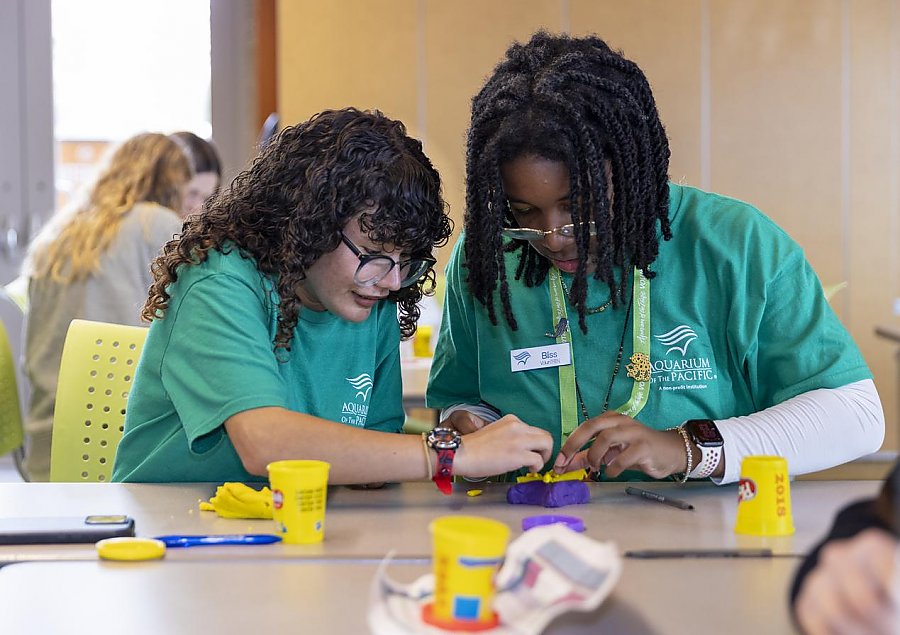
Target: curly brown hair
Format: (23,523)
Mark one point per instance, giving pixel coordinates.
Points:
(290,207)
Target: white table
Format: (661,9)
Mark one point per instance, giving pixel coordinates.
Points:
(367,524)
(662,597)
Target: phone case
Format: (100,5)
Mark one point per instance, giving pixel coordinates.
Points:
(59,530)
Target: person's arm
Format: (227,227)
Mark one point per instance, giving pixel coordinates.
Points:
(813,431)
(848,579)
(356,455)
(854,587)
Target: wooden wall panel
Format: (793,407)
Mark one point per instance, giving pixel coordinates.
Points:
(350,53)
(872,239)
(461,51)
(776,117)
(664,39)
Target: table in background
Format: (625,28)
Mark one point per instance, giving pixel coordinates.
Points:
(660,596)
(414,372)
(367,524)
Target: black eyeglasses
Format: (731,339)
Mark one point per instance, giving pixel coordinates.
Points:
(374,267)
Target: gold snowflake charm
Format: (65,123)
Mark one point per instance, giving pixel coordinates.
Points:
(639,368)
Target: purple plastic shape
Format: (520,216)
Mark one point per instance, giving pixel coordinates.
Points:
(573,523)
(557,494)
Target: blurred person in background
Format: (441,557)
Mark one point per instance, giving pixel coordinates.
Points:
(206,167)
(92,261)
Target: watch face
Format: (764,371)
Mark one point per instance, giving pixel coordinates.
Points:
(704,432)
(444,439)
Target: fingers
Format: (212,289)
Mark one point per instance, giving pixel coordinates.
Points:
(505,445)
(464,422)
(583,434)
(849,591)
(537,462)
(620,443)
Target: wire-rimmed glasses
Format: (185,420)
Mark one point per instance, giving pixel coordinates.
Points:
(531,235)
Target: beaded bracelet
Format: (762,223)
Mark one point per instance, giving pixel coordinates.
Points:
(687,450)
(427,454)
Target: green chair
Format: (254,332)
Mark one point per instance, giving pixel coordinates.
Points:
(11,435)
(95,374)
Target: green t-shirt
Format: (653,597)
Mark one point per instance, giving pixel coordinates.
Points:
(212,356)
(738,323)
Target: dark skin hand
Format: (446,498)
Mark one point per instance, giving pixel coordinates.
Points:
(621,443)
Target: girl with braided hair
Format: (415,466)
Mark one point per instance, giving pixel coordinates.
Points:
(277,316)
(657,331)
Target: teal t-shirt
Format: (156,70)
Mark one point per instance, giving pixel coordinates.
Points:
(212,356)
(738,323)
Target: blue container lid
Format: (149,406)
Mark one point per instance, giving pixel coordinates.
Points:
(573,523)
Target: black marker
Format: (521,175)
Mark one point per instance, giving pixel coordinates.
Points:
(659,498)
(700,553)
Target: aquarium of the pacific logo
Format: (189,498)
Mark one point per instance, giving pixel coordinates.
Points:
(678,361)
(354,412)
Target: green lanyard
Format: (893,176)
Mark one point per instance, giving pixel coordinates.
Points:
(639,368)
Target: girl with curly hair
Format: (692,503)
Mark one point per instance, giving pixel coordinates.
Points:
(91,261)
(575,238)
(277,317)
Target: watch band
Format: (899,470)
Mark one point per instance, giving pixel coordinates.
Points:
(443,477)
(709,460)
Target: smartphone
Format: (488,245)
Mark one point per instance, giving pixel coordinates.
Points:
(68,529)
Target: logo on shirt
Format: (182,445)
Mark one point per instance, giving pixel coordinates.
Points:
(682,366)
(355,413)
(523,357)
(678,339)
(362,383)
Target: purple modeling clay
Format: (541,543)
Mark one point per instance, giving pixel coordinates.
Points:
(557,494)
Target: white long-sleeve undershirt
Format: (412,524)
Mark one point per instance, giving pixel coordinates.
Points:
(813,431)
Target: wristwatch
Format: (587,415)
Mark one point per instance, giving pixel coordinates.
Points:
(444,441)
(706,436)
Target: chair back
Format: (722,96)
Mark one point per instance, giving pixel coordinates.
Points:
(11,435)
(95,375)
(13,317)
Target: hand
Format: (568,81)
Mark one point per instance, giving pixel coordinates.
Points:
(853,588)
(464,422)
(621,443)
(502,446)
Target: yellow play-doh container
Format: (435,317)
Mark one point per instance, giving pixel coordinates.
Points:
(764,497)
(299,490)
(467,551)
(422,341)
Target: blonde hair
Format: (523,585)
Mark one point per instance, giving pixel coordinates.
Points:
(148,168)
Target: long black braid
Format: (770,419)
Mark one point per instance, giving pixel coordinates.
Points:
(576,101)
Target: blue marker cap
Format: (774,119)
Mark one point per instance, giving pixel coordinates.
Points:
(216,539)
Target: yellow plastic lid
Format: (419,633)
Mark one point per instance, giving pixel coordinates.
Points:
(131,549)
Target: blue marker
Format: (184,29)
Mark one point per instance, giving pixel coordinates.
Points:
(224,539)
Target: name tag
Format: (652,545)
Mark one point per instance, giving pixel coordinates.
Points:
(540,357)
